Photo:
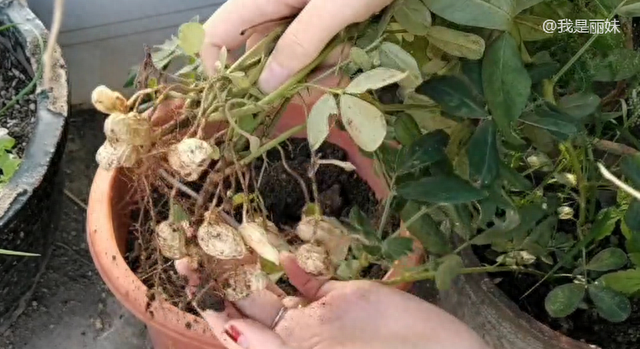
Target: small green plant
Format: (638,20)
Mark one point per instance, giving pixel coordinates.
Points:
(495,143)
(9,162)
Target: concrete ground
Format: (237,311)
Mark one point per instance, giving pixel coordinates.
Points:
(72,308)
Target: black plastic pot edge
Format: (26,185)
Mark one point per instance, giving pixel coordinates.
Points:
(30,204)
(50,127)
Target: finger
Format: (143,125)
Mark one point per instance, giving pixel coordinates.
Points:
(294,302)
(248,334)
(309,33)
(262,306)
(310,286)
(225,27)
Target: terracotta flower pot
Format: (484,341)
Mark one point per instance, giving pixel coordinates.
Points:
(500,323)
(107,227)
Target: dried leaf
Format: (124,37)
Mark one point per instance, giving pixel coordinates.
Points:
(365,123)
(318,121)
(361,58)
(530,28)
(456,43)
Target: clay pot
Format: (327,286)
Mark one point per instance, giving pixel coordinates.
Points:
(107,227)
(475,300)
(30,203)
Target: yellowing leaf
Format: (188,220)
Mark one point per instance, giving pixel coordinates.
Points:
(374,79)
(456,43)
(318,122)
(530,27)
(191,37)
(364,122)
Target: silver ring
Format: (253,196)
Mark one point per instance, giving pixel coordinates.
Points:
(279,317)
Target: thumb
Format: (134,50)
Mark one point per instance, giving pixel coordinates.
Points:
(249,334)
(309,33)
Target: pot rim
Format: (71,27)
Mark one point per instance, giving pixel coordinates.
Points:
(51,112)
(131,292)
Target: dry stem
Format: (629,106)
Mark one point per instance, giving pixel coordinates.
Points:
(47,58)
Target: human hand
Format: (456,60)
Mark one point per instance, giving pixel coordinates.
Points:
(316,23)
(334,314)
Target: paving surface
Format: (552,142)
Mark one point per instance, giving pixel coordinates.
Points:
(72,308)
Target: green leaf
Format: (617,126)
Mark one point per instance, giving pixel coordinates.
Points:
(424,151)
(425,230)
(514,179)
(16,253)
(611,258)
(9,166)
(625,281)
(539,72)
(449,189)
(414,16)
(178,214)
(542,233)
(561,128)
(632,216)
(611,305)
(506,83)
(605,223)
(472,70)
(490,14)
(363,225)
(394,57)
(630,167)
(564,300)
(530,28)
(482,152)
(318,121)
(406,129)
(374,79)
(579,105)
(456,43)
(349,269)
(522,5)
(618,64)
(449,268)
(631,10)
(191,37)
(395,248)
(361,58)
(634,258)
(454,96)
(364,122)
(6,142)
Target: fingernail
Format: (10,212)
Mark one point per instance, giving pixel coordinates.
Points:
(273,76)
(210,301)
(237,336)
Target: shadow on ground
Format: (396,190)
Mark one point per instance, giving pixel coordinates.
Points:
(72,308)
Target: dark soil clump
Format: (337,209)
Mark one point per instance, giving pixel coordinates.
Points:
(283,196)
(582,325)
(15,75)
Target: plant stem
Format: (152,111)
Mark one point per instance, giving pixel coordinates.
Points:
(583,49)
(582,189)
(547,91)
(272,143)
(412,220)
(430,275)
(387,207)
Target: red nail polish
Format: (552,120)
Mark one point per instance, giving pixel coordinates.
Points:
(233,333)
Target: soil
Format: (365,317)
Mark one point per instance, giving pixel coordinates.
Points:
(283,196)
(583,325)
(14,77)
